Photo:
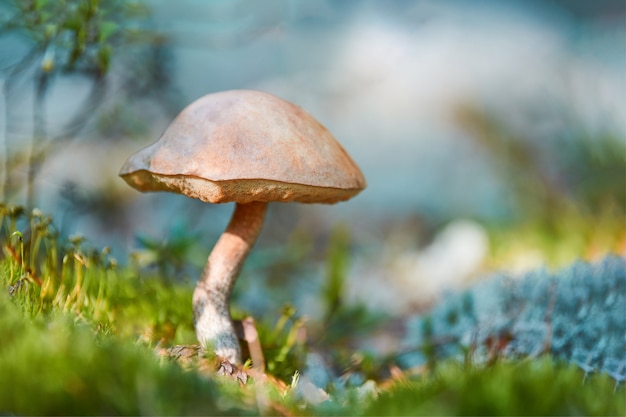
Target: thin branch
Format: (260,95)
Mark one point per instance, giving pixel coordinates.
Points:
(42,83)
(88,108)
(4,119)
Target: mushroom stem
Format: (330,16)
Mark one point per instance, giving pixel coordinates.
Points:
(211,298)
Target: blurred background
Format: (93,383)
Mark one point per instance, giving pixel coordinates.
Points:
(491,133)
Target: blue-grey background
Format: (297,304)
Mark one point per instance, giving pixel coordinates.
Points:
(462,115)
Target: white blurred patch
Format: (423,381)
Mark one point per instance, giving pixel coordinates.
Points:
(398,283)
(308,391)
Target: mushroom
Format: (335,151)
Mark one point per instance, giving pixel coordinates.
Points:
(250,148)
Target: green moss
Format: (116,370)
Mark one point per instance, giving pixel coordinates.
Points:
(60,367)
(535,387)
(77,332)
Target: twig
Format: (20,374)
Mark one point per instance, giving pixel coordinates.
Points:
(39,136)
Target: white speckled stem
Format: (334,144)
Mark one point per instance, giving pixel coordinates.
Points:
(211,298)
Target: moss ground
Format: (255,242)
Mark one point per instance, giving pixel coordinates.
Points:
(79,335)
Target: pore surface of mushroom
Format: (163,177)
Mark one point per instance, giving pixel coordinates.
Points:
(250,148)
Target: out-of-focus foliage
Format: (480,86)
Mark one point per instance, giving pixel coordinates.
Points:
(72,34)
(51,40)
(341,321)
(557,171)
(560,242)
(169,256)
(566,183)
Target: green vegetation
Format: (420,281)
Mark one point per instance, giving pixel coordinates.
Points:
(59,366)
(80,335)
(532,387)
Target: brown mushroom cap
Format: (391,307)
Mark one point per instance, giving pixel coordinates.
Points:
(244,146)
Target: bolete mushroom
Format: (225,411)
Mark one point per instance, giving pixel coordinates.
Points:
(251,148)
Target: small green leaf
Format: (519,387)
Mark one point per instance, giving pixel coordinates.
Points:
(50,30)
(45,16)
(40,4)
(107,29)
(72,23)
(104,58)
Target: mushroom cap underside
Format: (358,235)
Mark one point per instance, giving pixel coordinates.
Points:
(246,146)
(240,191)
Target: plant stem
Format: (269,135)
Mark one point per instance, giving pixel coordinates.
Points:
(4,175)
(39,135)
(13,75)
